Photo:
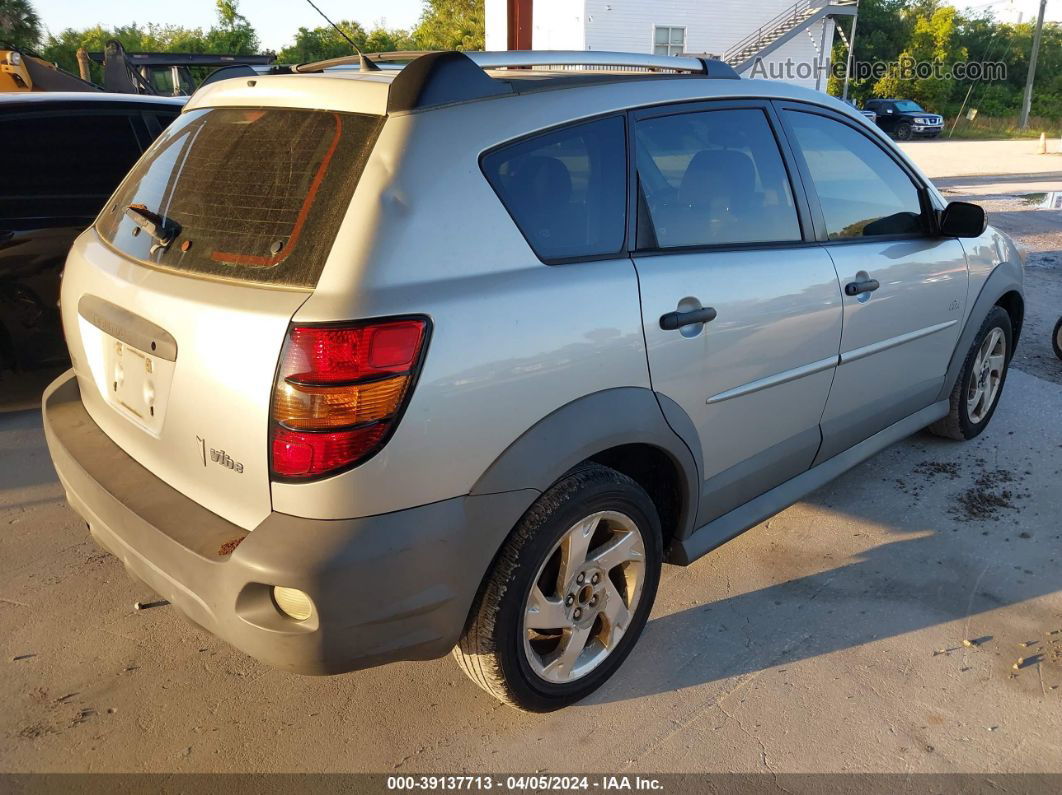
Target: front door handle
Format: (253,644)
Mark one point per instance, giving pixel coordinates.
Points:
(676,320)
(864,286)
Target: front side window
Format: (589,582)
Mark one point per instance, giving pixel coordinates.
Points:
(566,190)
(669,40)
(862,191)
(712,178)
(250,194)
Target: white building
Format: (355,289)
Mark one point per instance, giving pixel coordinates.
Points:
(760,38)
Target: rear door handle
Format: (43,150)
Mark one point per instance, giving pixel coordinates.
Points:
(5,235)
(676,320)
(865,286)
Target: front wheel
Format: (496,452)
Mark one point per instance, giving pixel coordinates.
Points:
(980,383)
(569,594)
(1056,339)
(903,132)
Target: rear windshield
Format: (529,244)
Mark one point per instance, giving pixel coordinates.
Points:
(243,193)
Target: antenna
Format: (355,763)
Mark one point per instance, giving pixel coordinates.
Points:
(365,64)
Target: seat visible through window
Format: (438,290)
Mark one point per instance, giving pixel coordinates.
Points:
(712,178)
(567,189)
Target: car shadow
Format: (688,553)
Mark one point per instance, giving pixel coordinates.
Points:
(940,568)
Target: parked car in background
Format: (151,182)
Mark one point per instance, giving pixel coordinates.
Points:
(369,367)
(869,115)
(905,119)
(61,156)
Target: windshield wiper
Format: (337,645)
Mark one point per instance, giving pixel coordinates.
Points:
(163,230)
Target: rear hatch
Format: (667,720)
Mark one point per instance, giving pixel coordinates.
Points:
(176,305)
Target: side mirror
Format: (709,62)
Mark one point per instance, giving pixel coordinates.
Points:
(888,110)
(962,219)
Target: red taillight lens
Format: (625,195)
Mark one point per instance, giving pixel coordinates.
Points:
(339,392)
(323,355)
(306,453)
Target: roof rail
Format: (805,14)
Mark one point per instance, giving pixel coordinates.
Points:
(524,58)
(442,77)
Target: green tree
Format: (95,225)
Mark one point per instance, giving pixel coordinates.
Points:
(881,35)
(322,43)
(319,44)
(233,33)
(933,40)
(19,24)
(451,25)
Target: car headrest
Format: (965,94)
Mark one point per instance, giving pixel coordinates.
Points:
(715,174)
(542,179)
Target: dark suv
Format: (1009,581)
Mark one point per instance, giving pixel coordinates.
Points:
(905,119)
(61,156)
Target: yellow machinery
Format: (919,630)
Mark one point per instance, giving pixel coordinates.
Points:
(22,71)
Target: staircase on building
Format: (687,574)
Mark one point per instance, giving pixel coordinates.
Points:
(794,20)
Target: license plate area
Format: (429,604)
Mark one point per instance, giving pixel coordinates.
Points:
(135,383)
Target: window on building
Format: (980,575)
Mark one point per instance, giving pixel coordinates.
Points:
(669,40)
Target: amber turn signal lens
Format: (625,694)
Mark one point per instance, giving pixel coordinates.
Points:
(319,408)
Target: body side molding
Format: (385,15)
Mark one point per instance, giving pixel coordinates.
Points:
(892,342)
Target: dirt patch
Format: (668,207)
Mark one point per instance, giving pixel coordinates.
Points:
(988,498)
(930,469)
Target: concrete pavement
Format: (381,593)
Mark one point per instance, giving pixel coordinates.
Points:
(830,638)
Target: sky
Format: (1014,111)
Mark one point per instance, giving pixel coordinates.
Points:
(277,20)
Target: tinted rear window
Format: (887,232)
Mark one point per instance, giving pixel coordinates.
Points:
(253,194)
(567,189)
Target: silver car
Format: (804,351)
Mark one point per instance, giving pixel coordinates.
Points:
(370,365)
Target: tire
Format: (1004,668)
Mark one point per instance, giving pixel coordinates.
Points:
(1056,338)
(966,419)
(509,661)
(903,132)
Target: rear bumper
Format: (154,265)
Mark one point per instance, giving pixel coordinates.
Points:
(392,587)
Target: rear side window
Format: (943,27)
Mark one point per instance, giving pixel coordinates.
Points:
(250,194)
(63,164)
(566,190)
(862,191)
(712,178)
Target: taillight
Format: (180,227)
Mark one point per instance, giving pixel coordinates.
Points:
(339,392)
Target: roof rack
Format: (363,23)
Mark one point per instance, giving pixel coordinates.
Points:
(525,58)
(443,77)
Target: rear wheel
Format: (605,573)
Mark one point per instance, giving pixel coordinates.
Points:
(980,383)
(569,594)
(1056,339)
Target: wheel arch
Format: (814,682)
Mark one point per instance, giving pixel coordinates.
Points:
(1014,305)
(1002,288)
(624,428)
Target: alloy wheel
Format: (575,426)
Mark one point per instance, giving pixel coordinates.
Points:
(986,375)
(584,596)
